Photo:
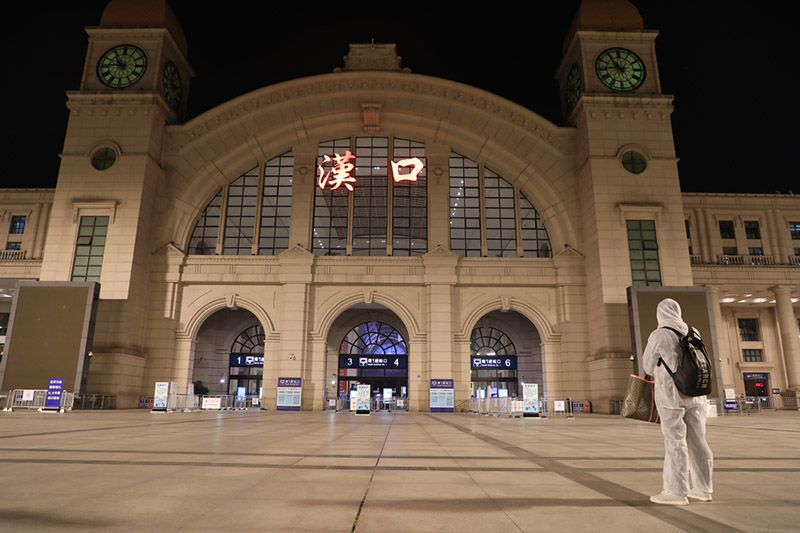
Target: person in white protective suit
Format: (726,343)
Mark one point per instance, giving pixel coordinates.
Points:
(683,418)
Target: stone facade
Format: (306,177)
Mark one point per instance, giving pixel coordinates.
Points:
(167,314)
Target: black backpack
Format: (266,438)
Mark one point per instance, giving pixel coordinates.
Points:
(692,375)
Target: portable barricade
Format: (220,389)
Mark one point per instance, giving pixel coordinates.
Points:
(35,399)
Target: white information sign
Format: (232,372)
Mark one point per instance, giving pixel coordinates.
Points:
(362,401)
(530,399)
(730,394)
(160,396)
(387,395)
(211,403)
(27,395)
(289,394)
(559,406)
(353,400)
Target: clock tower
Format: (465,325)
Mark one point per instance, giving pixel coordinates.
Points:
(627,173)
(134,84)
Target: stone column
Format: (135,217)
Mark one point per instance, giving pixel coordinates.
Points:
(722,355)
(438,196)
(712,237)
(34,222)
(787,323)
(293,358)
(779,235)
(303,190)
(41,231)
(702,236)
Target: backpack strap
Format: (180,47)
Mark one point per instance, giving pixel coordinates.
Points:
(660,360)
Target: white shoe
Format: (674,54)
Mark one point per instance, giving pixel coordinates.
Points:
(699,495)
(667,498)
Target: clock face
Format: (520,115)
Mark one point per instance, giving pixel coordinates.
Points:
(172,85)
(122,66)
(573,90)
(620,69)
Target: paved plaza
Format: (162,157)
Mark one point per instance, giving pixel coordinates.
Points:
(132,470)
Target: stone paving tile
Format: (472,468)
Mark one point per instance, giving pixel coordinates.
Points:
(267,471)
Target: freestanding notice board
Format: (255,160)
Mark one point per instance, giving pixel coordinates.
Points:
(49,334)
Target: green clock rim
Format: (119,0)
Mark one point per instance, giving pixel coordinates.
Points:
(127,84)
(631,52)
(577,92)
(173,98)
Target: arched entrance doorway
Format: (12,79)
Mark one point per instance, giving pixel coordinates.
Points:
(505,351)
(229,353)
(368,346)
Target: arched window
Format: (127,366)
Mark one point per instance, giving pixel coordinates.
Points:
(251,340)
(373,338)
(242,203)
(490,341)
(483,209)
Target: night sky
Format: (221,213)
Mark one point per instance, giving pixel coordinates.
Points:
(730,70)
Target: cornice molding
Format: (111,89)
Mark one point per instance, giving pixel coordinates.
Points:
(559,139)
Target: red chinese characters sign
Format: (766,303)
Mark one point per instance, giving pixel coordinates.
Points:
(336,170)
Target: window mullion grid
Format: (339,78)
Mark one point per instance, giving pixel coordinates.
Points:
(518,222)
(259,202)
(351,200)
(223,215)
(389,197)
(482,204)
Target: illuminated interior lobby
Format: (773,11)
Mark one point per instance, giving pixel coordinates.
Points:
(373,225)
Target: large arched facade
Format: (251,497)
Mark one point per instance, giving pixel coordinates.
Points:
(464,206)
(268,146)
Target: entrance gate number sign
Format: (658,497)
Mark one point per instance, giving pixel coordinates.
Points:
(442,399)
(371,361)
(289,394)
(509,362)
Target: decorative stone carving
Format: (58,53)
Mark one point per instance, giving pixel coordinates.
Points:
(372,117)
(372,57)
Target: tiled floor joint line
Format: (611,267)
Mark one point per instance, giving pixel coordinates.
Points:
(371,477)
(679,518)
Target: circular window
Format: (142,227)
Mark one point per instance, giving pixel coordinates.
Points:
(104,158)
(634,162)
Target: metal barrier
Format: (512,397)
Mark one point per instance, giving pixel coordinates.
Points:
(35,399)
(512,407)
(343,404)
(741,406)
(94,401)
(227,402)
(615,406)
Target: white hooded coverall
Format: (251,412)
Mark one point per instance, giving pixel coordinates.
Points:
(683,418)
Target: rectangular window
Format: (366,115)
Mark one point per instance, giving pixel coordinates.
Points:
(276,207)
(797,251)
(370,197)
(748,329)
(410,203)
(465,208)
(645,269)
(755,251)
(688,230)
(752,355)
(13,246)
(730,250)
(331,207)
(89,249)
(794,230)
(751,229)
(726,230)
(4,323)
(17,226)
(501,233)
(240,215)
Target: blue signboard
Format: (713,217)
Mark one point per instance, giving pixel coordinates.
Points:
(752,376)
(53,398)
(247,359)
(373,361)
(490,362)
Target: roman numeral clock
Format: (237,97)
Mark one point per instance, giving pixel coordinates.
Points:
(620,69)
(122,66)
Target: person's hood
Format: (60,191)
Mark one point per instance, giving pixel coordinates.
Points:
(668,314)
